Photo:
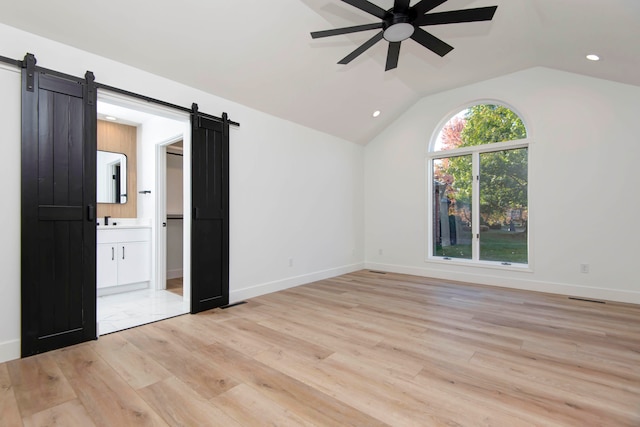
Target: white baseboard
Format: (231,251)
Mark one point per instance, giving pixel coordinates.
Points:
(122,288)
(290,282)
(174,274)
(523,284)
(9,350)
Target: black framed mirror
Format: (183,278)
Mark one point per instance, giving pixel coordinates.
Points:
(111,177)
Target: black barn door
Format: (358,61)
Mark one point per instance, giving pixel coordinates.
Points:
(58,200)
(210,217)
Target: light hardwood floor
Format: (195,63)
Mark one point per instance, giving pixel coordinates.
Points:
(175,286)
(362,349)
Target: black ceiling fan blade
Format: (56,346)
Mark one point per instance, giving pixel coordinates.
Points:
(401,5)
(457,16)
(425,6)
(431,42)
(366,45)
(368,7)
(345,30)
(392,55)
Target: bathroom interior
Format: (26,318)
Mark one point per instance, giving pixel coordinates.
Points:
(140,225)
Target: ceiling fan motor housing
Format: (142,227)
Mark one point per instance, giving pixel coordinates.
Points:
(397,26)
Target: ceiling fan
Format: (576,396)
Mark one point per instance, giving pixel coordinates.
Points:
(402,22)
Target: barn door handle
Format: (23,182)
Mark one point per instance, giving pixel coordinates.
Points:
(91,214)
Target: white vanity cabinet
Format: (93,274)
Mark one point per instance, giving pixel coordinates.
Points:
(123,257)
(106,265)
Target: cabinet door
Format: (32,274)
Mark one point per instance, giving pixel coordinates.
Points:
(134,262)
(106,265)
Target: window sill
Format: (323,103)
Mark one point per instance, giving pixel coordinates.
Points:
(494,265)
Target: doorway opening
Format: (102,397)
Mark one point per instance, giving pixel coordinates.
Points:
(133,260)
(174,185)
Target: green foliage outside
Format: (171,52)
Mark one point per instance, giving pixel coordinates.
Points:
(486,124)
(503,181)
(503,173)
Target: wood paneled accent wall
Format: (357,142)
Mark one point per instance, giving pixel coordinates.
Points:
(120,138)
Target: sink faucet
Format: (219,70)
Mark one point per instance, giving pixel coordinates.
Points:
(106,220)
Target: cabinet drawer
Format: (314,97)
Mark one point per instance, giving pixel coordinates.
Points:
(115,235)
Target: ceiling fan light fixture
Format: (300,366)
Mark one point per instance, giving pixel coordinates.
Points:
(398,32)
(404,21)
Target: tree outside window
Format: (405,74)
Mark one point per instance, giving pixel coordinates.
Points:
(480,188)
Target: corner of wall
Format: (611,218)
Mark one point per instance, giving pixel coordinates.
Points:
(291,282)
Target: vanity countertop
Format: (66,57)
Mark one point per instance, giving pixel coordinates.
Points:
(123,233)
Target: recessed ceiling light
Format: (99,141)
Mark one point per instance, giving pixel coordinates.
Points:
(113,119)
(376,113)
(593,57)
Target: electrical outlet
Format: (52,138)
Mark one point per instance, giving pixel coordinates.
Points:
(290,262)
(379,251)
(584,268)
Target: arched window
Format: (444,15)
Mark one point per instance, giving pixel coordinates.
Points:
(478,168)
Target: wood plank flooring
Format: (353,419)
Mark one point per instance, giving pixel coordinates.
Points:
(175,286)
(363,349)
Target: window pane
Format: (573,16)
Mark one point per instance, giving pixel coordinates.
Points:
(452,180)
(479,125)
(503,206)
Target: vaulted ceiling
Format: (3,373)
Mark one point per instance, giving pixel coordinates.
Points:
(259,52)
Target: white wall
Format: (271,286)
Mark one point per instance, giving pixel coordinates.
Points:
(584,196)
(295,192)
(10,248)
(151,133)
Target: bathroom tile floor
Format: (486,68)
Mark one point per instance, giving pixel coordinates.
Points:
(128,309)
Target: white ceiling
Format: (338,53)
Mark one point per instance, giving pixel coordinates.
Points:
(259,52)
(123,115)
